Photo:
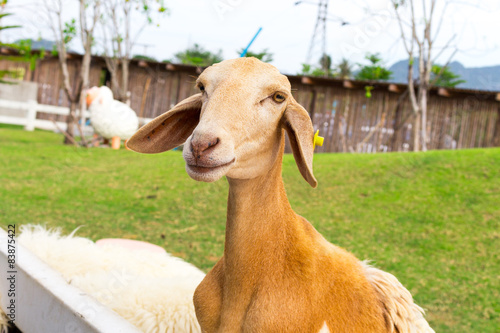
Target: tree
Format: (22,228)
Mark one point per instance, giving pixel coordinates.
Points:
(3,6)
(63,34)
(264,55)
(143,57)
(374,71)
(198,56)
(22,48)
(90,11)
(323,70)
(119,39)
(442,76)
(306,70)
(24,54)
(420,42)
(325,63)
(344,69)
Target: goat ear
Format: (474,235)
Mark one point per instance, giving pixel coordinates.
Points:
(169,130)
(298,125)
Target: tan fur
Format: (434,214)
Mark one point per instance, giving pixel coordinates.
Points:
(277,274)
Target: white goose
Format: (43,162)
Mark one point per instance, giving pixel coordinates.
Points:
(110,118)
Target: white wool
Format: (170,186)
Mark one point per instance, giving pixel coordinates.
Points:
(153,291)
(112,118)
(4,322)
(403,315)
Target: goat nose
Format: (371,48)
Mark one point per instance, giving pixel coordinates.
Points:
(201,146)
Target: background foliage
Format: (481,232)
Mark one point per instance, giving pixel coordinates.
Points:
(374,71)
(198,56)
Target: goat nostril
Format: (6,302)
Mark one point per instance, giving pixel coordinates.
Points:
(198,149)
(211,144)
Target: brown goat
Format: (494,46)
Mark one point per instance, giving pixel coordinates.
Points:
(277,274)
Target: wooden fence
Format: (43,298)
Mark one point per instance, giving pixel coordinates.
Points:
(349,121)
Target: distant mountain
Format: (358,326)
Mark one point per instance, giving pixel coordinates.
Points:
(477,78)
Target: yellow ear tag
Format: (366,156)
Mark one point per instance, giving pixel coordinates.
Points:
(318,140)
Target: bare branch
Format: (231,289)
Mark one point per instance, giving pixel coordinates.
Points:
(414,25)
(433,5)
(441,20)
(411,86)
(443,68)
(403,37)
(444,48)
(69,137)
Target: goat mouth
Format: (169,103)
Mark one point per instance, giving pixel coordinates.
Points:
(206,169)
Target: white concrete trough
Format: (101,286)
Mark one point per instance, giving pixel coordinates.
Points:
(39,300)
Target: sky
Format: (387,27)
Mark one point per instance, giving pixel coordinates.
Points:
(287,29)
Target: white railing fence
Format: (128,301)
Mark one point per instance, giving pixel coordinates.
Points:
(30,122)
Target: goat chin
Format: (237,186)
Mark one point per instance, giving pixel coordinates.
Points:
(208,174)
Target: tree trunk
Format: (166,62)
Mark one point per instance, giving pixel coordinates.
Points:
(84,72)
(70,122)
(416,132)
(125,73)
(84,78)
(424,118)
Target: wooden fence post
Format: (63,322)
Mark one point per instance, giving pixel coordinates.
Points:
(312,104)
(31,116)
(496,138)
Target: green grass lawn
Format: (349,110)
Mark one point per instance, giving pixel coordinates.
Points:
(432,219)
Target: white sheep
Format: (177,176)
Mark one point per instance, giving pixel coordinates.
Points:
(277,274)
(153,291)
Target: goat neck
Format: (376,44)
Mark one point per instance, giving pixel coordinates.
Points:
(255,229)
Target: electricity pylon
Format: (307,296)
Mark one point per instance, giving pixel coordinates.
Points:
(319,36)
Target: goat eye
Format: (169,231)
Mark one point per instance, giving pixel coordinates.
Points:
(279,97)
(201,87)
